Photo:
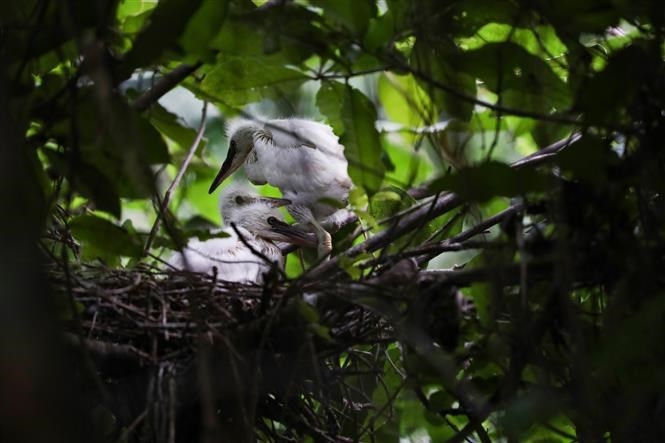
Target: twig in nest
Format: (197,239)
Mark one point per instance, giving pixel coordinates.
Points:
(167,196)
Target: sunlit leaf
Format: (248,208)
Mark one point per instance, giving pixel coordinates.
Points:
(522,80)
(350,108)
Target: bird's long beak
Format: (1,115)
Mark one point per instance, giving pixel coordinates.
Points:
(232,162)
(274,202)
(280,231)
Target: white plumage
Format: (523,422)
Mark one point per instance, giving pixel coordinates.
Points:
(259,223)
(303,158)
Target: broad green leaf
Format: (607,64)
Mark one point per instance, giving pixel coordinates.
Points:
(89,181)
(238,80)
(173,127)
(116,140)
(165,25)
(587,159)
(574,16)
(604,98)
(351,14)
(387,202)
(100,237)
(450,88)
(404,101)
(540,41)
(522,80)
(381,31)
(290,29)
(132,8)
(490,179)
(351,110)
(203,26)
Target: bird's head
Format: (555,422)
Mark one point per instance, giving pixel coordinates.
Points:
(242,206)
(241,134)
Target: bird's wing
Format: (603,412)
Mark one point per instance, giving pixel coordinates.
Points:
(301,133)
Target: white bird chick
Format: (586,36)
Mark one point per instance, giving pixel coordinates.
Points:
(259,223)
(303,158)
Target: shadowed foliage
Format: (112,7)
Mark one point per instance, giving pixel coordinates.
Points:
(501,281)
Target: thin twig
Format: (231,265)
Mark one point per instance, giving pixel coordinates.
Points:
(167,195)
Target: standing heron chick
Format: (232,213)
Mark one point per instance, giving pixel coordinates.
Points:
(245,260)
(302,158)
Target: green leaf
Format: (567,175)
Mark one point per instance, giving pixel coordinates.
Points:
(450,85)
(89,181)
(204,25)
(350,109)
(403,100)
(116,141)
(386,202)
(604,98)
(133,8)
(239,80)
(101,238)
(574,16)
(524,81)
(165,25)
(482,182)
(292,30)
(173,127)
(540,40)
(354,15)
(587,159)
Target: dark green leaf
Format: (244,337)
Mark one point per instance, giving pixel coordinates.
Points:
(522,80)
(605,97)
(103,237)
(574,16)
(351,14)
(204,25)
(238,80)
(586,159)
(482,182)
(290,29)
(165,25)
(173,127)
(447,85)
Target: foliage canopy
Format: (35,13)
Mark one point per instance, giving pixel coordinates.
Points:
(436,102)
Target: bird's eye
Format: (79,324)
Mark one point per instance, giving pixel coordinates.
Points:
(272,221)
(233,144)
(239,200)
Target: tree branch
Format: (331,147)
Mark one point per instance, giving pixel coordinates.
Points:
(164,85)
(428,209)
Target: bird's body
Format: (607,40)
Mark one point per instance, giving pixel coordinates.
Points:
(232,259)
(302,158)
(246,252)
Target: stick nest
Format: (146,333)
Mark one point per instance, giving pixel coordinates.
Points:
(265,336)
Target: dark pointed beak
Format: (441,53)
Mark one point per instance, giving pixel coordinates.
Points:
(226,170)
(281,231)
(276,202)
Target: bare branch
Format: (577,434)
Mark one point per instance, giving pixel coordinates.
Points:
(164,85)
